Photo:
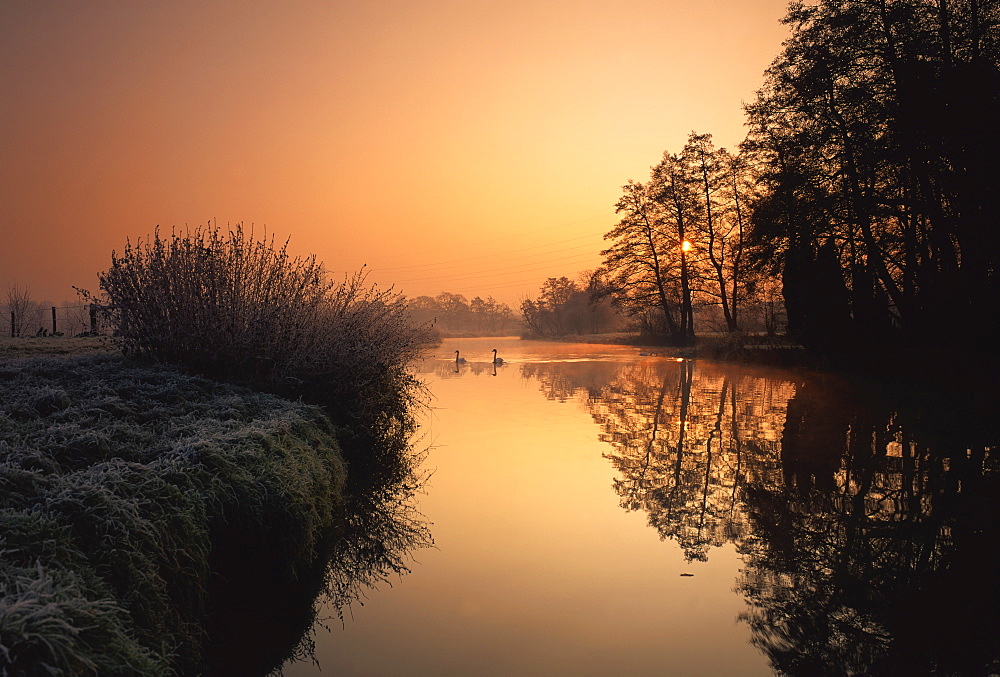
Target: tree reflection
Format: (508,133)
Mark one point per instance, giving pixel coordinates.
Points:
(877,552)
(868,530)
(685,439)
(564,381)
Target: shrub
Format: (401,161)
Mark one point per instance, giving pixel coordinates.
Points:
(241,309)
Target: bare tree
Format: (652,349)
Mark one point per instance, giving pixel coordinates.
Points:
(676,188)
(20,306)
(641,265)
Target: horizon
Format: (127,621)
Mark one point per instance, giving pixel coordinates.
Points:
(446,146)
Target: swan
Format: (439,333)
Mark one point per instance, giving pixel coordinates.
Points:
(496,360)
(458,359)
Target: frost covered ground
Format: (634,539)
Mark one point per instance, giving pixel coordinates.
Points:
(117,482)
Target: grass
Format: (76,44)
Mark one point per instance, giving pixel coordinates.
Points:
(18,348)
(125,489)
(118,482)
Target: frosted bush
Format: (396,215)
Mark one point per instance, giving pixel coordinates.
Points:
(231,306)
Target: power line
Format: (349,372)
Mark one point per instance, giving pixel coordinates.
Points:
(495,255)
(494,272)
(494,240)
(534,282)
(469,283)
(490,289)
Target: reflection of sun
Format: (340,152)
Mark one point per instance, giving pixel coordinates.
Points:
(686,246)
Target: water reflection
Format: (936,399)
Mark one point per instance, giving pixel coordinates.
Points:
(868,530)
(263,623)
(447,370)
(876,551)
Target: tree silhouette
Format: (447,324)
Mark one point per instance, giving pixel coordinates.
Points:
(874,134)
(681,241)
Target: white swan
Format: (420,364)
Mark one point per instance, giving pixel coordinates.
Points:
(496,360)
(458,359)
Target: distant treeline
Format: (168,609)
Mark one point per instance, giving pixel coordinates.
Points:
(453,314)
(566,307)
(863,200)
(562,307)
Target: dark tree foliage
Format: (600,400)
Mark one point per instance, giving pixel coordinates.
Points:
(641,264)
(876,135)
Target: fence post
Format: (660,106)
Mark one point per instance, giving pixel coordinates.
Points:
(93,319)
(53,320)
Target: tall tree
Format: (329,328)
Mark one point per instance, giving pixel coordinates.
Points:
(641,264)
(875,125)
(677,190)
(723,186)
(681,240)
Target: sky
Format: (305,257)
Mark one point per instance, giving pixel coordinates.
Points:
(470,146)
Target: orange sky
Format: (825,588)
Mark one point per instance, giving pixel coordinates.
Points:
(468,146)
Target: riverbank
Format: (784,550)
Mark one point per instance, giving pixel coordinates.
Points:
(743,348)
(968,378)
(124,488)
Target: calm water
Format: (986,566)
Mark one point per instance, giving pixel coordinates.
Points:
(599,512)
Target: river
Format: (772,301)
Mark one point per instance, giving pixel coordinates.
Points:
(597,511)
